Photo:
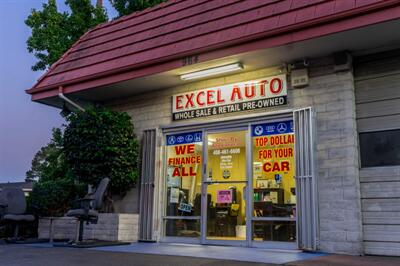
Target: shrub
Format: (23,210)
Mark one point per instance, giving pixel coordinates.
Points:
(54,197)
(101,143)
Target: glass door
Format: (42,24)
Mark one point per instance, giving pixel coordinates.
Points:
(224,188)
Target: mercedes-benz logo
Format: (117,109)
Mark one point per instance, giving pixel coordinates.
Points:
(258,130)
(171,140)
(281,127)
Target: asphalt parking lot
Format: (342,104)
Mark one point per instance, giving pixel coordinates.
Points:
(13,255)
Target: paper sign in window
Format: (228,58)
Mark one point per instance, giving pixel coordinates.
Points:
(224,196)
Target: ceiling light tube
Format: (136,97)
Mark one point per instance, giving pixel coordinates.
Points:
(212,71)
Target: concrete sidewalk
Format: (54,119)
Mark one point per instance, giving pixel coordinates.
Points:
(245,254)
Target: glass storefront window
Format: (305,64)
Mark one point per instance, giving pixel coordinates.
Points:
(183,184)
(274,187)
(380,148)
(222,184)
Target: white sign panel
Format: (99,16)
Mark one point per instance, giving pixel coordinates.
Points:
(249,95)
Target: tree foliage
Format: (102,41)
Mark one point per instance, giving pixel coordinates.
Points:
(100,143)
(56,188)
(126,7)
(49,162)
(53,33)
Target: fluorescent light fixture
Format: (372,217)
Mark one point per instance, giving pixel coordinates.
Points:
(212,71)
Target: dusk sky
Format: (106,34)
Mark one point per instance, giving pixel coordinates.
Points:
(25,126)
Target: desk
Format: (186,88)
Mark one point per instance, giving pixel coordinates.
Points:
(225,224)
(275,230)
(269,209)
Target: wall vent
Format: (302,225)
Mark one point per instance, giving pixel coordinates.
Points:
(299,78)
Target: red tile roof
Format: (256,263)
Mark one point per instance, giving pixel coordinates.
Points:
(179,28)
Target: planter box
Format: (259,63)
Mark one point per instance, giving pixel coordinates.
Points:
(110,227)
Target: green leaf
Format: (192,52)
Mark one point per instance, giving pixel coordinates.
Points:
(126,7)
(93,150)
(53,33)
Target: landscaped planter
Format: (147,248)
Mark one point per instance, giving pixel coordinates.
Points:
(110,227)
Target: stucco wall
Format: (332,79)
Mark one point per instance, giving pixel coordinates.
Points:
(332,96)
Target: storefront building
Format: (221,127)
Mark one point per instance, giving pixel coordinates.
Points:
(263,123)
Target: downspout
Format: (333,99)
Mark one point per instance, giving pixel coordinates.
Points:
(62,96)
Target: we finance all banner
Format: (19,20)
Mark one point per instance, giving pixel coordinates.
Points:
(255,94)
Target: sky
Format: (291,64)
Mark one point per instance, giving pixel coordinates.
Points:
(25,126)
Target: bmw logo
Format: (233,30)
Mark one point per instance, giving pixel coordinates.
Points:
(171,140)
(258,130)
(180,139)
(281,127)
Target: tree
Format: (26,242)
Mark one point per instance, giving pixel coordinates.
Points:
(126,7)
(99,143)
(56,188)
(83,17)
(49,162)
(53,33)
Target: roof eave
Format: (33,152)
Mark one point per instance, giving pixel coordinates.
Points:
(381,15)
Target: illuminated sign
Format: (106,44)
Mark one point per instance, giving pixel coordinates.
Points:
(249,95)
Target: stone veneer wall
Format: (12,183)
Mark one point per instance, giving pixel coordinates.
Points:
(332,96)
(110,227)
